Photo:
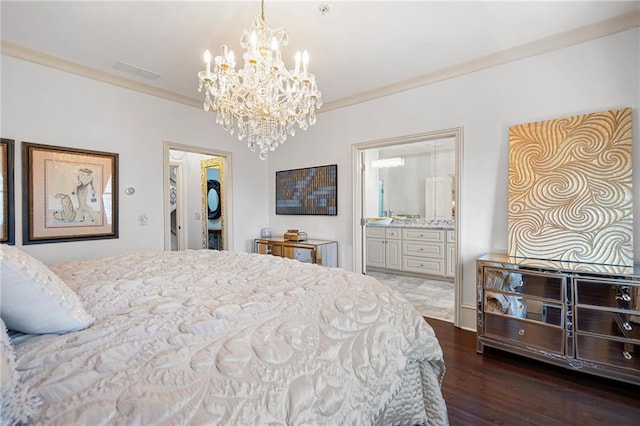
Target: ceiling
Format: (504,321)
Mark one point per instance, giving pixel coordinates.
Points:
(356,47)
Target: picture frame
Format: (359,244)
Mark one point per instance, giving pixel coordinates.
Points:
(7,188)
(307,191)
(69,194)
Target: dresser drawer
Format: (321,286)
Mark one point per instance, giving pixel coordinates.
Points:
(524,333)
(547,286)
(609,352)
(617,294)
(607,323)
(423,265)
(431,250)
(435,235)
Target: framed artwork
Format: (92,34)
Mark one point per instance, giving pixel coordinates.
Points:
(69,194)
(7,212)
(309,191)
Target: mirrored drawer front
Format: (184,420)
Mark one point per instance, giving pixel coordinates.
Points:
(533,284)
(522,307)
(610,352)
(423,265)
(608,323)
(609,294)
(423,250)
(545,337)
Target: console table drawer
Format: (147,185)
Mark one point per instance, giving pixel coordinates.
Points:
(548,338)
(609,352)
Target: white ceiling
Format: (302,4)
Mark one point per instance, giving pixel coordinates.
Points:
(355,48)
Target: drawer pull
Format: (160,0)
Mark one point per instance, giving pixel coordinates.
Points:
(521,332)
(627,326)
(627,355)
(624,297)
(421,249)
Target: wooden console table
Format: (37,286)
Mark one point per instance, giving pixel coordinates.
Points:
(311,251)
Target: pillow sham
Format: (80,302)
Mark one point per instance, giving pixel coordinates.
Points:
(18,404)
(35,300)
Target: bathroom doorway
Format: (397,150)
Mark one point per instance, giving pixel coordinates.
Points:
(423,186)
(188,202)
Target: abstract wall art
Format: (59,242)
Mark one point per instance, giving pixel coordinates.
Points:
(571,188)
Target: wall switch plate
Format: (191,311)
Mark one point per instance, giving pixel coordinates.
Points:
(143,220)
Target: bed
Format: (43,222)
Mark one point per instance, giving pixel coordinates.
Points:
(213,337)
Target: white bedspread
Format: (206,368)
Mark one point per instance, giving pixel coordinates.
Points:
(208,337)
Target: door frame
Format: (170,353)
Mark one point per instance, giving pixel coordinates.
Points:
(227,241)
(181,237)
(357,165)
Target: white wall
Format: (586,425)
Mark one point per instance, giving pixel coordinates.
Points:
(47,106)
(594,76)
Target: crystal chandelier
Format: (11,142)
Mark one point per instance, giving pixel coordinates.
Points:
(263,100)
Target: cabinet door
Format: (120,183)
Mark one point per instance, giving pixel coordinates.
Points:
(451,260)
(393,253)
(376,252)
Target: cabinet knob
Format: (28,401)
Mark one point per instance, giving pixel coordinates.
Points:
(627,355)
(627,326)
(521,332)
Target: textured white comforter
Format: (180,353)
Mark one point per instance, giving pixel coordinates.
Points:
(208,337)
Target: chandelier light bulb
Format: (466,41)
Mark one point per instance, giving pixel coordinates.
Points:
(263,101)
(207,60)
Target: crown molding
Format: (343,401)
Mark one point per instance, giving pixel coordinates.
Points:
(593,31)
(565,39)
(42,58)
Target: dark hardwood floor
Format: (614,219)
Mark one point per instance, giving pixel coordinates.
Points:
(498,388)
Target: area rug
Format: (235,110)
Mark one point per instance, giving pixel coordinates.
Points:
(433,299)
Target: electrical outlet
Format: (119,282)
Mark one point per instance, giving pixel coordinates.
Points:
(197,215)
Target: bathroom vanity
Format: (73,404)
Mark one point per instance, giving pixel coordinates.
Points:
(417,248)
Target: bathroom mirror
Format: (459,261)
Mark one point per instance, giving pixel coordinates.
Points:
(212,183)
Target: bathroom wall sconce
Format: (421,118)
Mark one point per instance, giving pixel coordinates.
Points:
(387,162)
(130,190)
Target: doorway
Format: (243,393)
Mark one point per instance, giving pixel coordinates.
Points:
(187,203)
(363,183)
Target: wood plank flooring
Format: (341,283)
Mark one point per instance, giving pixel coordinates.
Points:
(498,388)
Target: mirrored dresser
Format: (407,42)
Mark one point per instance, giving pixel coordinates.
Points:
(581,316)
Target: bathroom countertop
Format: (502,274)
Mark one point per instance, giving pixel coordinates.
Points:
(417,223)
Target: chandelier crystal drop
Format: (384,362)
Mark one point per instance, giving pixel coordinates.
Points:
(262,101)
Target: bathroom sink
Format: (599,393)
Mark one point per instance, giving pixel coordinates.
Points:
(380,221)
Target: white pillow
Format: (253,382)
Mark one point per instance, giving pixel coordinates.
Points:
(19,404)
(34,300)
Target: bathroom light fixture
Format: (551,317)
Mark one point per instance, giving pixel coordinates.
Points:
(387,162)
(262,100)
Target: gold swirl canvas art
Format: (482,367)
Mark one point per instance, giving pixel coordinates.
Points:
(571,189)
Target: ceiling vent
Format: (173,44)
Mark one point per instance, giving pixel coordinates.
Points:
(137,71)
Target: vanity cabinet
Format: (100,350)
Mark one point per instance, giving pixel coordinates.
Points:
(423,251)
(450,270)
(579,316)
(384,248)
